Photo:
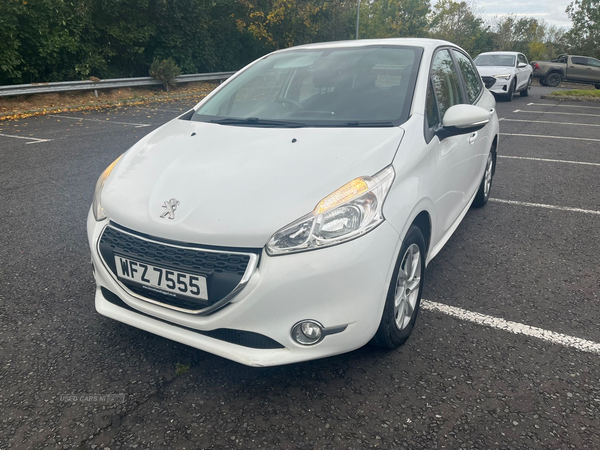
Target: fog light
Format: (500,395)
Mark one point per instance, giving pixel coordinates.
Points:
(307,332)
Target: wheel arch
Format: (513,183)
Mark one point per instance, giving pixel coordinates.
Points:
(423,215)
(555,70)
(494,150)
(423,222)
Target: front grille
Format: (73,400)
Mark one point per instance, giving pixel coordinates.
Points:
(489,81)
(239,337)
(222,269)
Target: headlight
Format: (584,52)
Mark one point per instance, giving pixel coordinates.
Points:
(351,211)
(503,77)
(97,205)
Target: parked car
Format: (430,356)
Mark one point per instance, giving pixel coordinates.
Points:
(505,73)
(578,69)
(291,214)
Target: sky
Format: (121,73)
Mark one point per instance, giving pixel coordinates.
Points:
(552,11)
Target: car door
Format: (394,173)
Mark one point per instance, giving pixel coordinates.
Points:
(479,141)
(577,69)
(452,154)
(594,64)
(523,71)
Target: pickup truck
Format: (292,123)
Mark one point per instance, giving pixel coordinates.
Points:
(577,69)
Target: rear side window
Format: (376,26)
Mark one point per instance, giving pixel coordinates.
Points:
(445,81)
(593,62)
(578,60)
(470,76)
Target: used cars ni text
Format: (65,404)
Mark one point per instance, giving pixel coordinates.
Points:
(505,73)
(291,214)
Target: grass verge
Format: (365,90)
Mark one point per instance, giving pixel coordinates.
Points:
(584,95)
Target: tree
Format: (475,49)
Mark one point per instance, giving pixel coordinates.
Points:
(459,23)
(394,18)
(281,23)
(584,35)
(535,38)
(10,44)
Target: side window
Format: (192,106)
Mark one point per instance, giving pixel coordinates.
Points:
(522,59)
(578,60)
(593,62)
(431,110)
(445,82)
(470,75)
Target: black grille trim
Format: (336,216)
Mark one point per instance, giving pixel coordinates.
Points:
(489,81)
(238,337)
(226,271)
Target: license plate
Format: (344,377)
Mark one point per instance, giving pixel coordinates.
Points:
(163,280)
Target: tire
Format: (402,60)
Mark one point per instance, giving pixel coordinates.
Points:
(543,82)
(398,321)
(483,193)
(511,91)
(597,86)
(525,92)
(553,80)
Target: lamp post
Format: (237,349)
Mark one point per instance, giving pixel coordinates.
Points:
(357,17)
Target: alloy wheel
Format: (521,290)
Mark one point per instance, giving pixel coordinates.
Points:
(487,180)
(553,80)
(407,286)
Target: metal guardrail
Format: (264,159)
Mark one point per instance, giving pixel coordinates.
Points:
(88,85)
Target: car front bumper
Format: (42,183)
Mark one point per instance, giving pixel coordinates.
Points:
(340,286)
(501,86)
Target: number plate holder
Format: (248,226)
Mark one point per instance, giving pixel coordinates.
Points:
(158,279)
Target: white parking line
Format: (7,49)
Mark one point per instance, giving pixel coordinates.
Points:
(33,140)
(551,137)
(563,106)
(513,327)
(556,112)
(548,121)
(549,160)
(541,205)
(137,125)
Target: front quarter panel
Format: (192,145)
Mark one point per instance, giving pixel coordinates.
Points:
(415,170)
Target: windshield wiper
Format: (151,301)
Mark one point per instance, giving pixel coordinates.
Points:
(366,123)
(255,121)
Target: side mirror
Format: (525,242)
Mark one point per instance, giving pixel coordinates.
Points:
(521,65)
(463,119)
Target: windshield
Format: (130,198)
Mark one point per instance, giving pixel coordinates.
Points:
(495,60)
(363,86)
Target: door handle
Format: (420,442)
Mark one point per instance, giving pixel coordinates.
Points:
(472,138)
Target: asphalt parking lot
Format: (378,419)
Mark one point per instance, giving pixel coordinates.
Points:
(506,352)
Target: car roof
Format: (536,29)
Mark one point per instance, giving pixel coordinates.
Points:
(502,53)
(408,42)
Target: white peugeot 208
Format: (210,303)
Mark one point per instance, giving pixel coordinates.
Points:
(291,214)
